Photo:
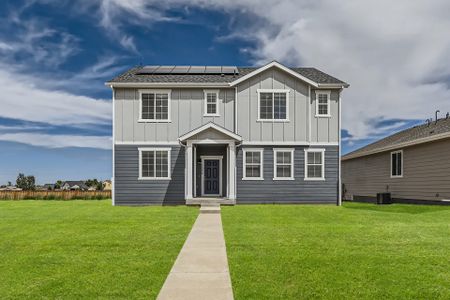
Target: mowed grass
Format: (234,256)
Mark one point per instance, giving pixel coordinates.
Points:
(358,251)
(88,249)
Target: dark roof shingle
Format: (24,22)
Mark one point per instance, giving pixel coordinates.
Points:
(132,76)
(406,136)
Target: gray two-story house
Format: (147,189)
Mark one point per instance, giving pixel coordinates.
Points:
(183,134)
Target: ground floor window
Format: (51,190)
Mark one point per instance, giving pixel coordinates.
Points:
(283,164)
(154,163)
(253,164)
(314,164)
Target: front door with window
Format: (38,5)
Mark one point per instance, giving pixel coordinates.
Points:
(211,177)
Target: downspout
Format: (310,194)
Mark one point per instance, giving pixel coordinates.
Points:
(113,179)
(339,202)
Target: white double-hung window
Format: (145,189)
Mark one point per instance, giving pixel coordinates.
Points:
(211,103)
(253,164)
(283,164)
(154,105)
(323,103)
(397,163)
(154,163)
(314,164)
(273,105)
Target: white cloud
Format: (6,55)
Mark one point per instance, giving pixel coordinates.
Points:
(391,52)
(22,99)
(58,141)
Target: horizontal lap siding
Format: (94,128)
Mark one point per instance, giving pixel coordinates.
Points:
(292,191)
(426,173)
(131,191)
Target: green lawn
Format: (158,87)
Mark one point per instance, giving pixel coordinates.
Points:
(358,251)
(88,249)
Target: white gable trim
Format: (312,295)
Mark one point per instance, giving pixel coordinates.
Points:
(279,66)
(208,126)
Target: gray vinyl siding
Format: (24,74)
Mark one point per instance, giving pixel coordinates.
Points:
(289,191)
(426,173)
(303,125)
(131,191)
(186,114)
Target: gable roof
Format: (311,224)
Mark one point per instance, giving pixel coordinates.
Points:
(133,76)
(436,130)
(208,126)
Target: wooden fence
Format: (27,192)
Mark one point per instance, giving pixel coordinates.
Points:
(54,195)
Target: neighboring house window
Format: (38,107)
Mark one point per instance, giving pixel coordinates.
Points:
(323,103)
(273,105)
(154,163)
(211,103)
(314,164)
(397,163)
(283,164)
(154,105)
(253,164)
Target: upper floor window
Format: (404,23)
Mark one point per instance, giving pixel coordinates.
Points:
(273,105)
(314,164)
(397,163)
(323,103)
(211,103)
(283,164)
(154,163)
(253,164)
(154,105)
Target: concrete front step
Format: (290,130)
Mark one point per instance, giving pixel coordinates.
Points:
(210,201)
(210,209)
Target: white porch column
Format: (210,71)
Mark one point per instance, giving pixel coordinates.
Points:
(232,163)
(189,170)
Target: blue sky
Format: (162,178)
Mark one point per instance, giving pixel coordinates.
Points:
(55,56)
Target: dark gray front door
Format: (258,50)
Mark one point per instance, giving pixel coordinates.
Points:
(211,177)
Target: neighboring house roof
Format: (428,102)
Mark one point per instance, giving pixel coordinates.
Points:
(135,75)
(436,130)
(78,183)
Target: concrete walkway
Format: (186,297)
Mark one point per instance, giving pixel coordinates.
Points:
(201,269)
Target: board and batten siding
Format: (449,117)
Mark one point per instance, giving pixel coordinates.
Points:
(298,190)
(186,113)
(129,190)
(303,125)
(426,173)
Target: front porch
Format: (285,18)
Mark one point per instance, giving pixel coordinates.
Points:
(210,167)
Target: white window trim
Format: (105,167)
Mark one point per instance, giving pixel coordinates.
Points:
(244,163)
(322,92)
(275,151)
(323,164)
(143,91)
(259,91)
(205,93)
(140,177)
(401,152)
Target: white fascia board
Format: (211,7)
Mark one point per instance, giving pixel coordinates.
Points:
(279,66)
(208,126)
(399,146)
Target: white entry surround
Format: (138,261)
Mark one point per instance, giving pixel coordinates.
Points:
(210,134)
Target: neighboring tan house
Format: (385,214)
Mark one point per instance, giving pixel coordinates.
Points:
(74,185)
(413,165)
(238,135)
(107,186)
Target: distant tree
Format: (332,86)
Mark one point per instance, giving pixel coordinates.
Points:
(94,183)
(26,182)
(9,183)
(58,184)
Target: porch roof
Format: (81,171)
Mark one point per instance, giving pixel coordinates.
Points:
(209,126)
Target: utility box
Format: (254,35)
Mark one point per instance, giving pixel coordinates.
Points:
(384,198)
